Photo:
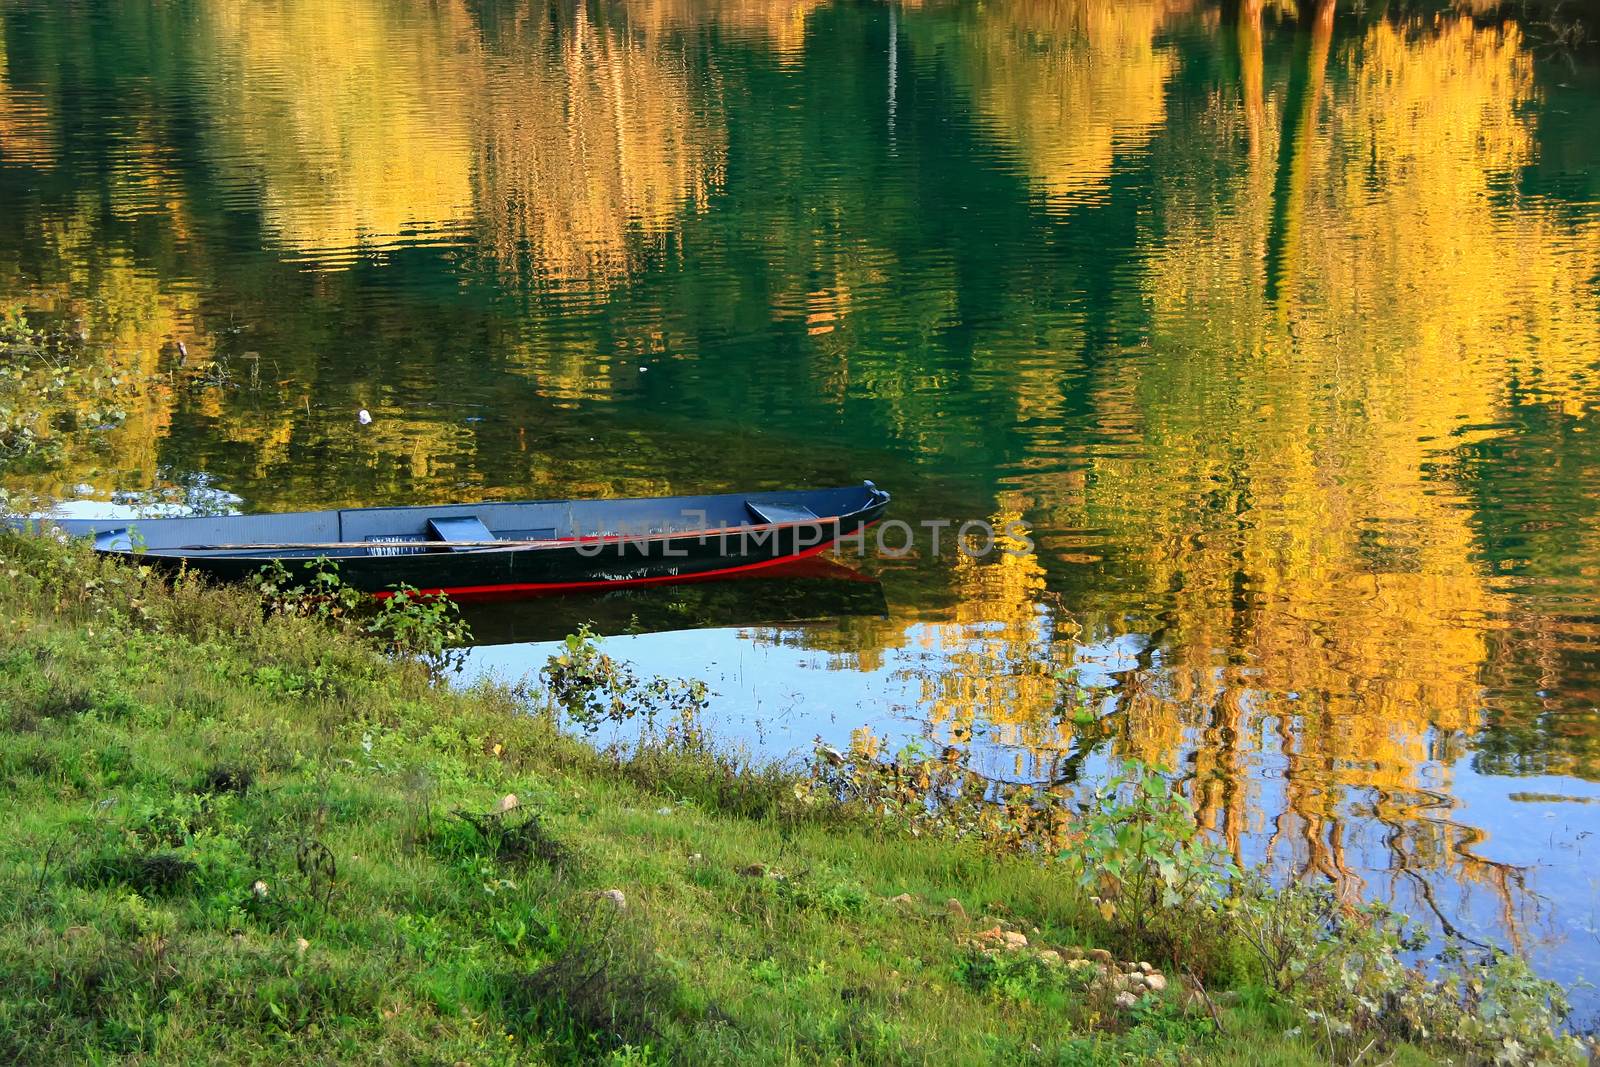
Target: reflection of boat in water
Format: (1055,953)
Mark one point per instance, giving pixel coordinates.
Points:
(814,589)
(498,549)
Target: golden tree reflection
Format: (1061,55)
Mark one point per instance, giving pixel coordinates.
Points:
(25,134)
(1363,294)
(997,655)
(781,24)
(1327,596)
(351,119)
(129,318)
(367,126)
(1070,83)
(590,146)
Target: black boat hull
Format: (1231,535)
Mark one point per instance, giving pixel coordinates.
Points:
(528,548)
(533,571)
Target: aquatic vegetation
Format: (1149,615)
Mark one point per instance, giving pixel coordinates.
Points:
(592,687)
(52,388)
(919,794)
(1348,970)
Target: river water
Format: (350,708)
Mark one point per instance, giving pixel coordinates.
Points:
(1281,333)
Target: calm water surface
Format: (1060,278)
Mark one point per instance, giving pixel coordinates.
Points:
(1283,336)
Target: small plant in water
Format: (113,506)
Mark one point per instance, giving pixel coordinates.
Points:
(592,687)
(938,795)
(1343,968)
(52,391)
(417,626)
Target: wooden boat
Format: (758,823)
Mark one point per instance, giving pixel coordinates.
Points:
(489,549)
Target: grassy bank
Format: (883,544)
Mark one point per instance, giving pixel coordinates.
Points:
(230,837)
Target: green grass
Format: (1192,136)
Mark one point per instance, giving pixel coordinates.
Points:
(223,838)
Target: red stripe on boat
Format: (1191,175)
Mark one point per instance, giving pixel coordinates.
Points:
(513,589)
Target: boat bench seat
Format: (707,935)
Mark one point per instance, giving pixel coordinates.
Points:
(459,528)
(771,512)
